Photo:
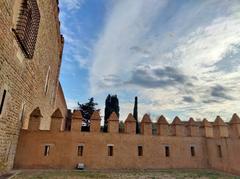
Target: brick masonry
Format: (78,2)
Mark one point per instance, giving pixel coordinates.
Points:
(24,79)
(215,145)
(24,134)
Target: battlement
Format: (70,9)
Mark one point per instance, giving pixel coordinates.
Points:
(179,144)
(178,127)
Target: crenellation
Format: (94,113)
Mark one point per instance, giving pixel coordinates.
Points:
(235,125)
(192,128)
(76,121)
(130,125)
(163,126)
(207,128)
(113,123)
(220,128)
(178,128)
(95,122)
(57,121)
(146,125)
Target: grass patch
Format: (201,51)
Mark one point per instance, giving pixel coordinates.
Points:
(58,174)
(131,174)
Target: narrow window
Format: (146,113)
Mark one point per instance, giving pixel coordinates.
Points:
(80,150)
(3,100)
(110,150)
(27,26)
(46,81)
(219,151)
(46,150)
(8,151)
(167,151)
(140,151)
(192,151)
(22,113)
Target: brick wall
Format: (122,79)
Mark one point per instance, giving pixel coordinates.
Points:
(217,151)
(24,79)
(60,102)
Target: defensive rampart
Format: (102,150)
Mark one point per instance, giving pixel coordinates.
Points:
(189,144)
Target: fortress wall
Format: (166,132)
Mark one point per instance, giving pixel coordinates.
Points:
(25,79)
(63,151)
(229,161)
(191,145)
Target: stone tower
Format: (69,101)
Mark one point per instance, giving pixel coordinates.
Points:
(30,60)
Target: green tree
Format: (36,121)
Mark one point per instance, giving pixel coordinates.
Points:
(87,110)
(111,105)
(135,114)
(121,127)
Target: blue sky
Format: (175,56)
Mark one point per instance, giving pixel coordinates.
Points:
(179,57)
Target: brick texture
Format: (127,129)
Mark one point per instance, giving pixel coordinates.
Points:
(24,79)
(63,152)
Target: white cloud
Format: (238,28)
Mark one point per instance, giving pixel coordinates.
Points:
(207,45)
(72,103)
(72,4)
(123,29)
(147,32)
(76,50)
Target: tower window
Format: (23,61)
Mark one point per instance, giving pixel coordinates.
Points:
(27,27)
(47,81)
(192,148)
(2,101)
(219,151)
(167,151)
(46,150)
(110,150)
(80,150)
(22,113)
(140,151)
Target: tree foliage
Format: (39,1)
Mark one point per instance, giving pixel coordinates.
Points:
(87,110)
(111,105)
(121,127)
(135,114)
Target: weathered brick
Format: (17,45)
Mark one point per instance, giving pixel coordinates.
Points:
(25,78)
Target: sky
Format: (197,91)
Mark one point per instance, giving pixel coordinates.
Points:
(181,58)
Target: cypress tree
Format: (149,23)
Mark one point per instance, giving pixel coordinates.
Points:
(111,105)
(115,105)
(135,113)
(107,112)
